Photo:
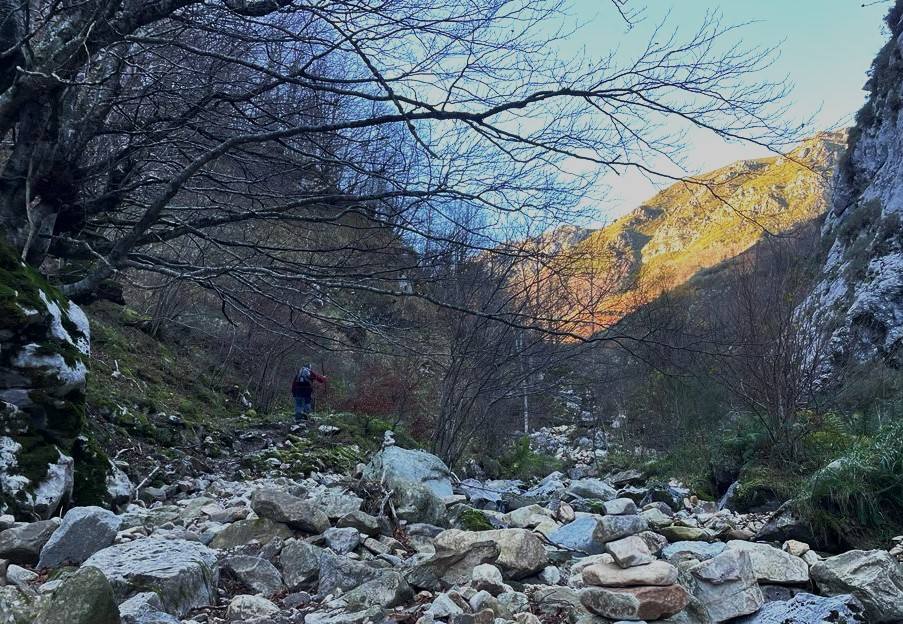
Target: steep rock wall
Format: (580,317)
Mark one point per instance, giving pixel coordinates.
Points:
(862,281)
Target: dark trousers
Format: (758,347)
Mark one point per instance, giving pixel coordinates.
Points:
(303,406)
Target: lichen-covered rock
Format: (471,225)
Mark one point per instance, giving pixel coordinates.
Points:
(398,467)
(86,597)
(44,340)
(521,553)
(255,573)
(261,530)
(296,512)
(145,608)
(184,574)
(23,544)
(83,532)
(16,606)
(635,603)
(300,563)
(772,565)
(875,577)
(725,587)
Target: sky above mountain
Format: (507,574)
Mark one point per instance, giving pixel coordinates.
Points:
(823,50)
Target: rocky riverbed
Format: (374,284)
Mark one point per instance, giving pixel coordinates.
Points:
(401,539)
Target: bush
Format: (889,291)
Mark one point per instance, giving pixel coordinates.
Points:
(521,462)
(858,497)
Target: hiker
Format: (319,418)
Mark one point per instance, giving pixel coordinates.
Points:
(303,389)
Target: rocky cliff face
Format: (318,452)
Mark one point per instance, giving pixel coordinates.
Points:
(863,274)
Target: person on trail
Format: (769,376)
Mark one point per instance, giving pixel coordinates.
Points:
(303,390)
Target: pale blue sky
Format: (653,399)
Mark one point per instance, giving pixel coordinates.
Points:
(826,46)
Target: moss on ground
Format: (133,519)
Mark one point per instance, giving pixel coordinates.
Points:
(474,520)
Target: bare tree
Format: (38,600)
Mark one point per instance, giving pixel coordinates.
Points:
(777,342)
(270,150)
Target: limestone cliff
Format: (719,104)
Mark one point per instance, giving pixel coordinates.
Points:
(863,274)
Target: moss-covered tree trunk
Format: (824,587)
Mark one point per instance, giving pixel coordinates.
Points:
(44,343)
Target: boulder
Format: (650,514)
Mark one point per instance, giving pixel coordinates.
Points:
(635,603)
(343,574)
(528,517)
(676,533)
(445,605)
(450,565)
(795,547)
(783,525)
(19,576)
(549,489)
(16,606)
(725,586)
(184,574)
(486,577)
(657,518)
(255,573)
(86,597)
(250,609)
(592,488)
(260,530)
(300,563)
(417,503)
(389,590)
(521,553)
(282,507)
(601,574)
(619,507)
(771,565)
(581,535)
(615,527)
(365,523)
(343,616)
(654,542)
(397,467)
(874,577)
(692,550)
(119,488)
(807,608)
(145,608)
(342,541)
(23,544)
(629,551)
(336,504)
(550,575)
(83,532)
(589,533)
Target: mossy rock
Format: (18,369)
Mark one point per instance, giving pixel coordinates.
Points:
(764,489)
(43,350)
(473,520)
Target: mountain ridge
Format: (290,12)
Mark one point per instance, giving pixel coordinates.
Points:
(697,224)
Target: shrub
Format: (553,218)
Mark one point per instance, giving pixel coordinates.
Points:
(858,497)
(521,462)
